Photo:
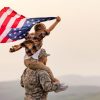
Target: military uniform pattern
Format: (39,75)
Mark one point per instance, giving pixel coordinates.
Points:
(37,84)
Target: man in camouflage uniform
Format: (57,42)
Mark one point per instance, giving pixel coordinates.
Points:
(37,83)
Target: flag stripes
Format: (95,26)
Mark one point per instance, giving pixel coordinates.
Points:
(14,26)
(9,18)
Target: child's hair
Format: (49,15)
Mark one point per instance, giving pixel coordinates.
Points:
(39,26)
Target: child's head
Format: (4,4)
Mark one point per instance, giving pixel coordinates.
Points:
(39,26)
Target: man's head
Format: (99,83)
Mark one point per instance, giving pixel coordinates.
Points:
(43,56)
(39,26)
(43,59)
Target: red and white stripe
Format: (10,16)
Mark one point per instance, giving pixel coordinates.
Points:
(9,19)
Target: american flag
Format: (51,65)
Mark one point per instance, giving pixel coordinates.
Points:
(14,26)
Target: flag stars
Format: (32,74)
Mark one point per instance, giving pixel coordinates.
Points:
(10,34)
(27,22)
(14,32)
(24,34)
(33,23)
(32,20)
(20,37)
(20,31)
(15,37)
(29,25)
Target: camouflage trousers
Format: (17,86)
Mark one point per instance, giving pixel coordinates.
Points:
(29,97)
(34,64)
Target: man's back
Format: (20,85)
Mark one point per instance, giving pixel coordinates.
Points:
(32,84)
(37,84)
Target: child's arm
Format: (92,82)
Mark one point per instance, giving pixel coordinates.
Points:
(47,31)
(15,48)
(58,19)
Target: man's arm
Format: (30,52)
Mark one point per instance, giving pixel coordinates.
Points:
(58,19)
(21,81)
(46,83)
(22,77)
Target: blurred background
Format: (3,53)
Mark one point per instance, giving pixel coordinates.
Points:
(73,45)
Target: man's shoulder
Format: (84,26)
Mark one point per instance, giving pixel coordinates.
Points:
(38,72)
(42,72)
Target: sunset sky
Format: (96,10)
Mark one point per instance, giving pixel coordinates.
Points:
(74,44)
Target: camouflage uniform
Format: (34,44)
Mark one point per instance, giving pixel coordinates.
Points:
(37,84)
(35,64)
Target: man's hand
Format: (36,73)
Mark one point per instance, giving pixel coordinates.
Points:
(58,19)
(62,87)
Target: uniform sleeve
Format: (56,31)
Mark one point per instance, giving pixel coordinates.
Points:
(21,81)
(46,83)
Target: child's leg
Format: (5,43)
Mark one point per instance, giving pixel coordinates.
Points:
(32,64)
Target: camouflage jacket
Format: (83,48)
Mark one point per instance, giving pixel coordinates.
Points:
(37,84)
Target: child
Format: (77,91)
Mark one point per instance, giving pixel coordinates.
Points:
(33,44)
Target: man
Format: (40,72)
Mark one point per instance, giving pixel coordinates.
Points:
(37,83)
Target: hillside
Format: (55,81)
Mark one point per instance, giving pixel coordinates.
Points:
(13,91)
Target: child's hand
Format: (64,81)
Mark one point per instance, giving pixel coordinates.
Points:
(11,49)
(58,19)
(14,48)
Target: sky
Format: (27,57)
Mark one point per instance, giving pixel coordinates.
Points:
(73,44)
